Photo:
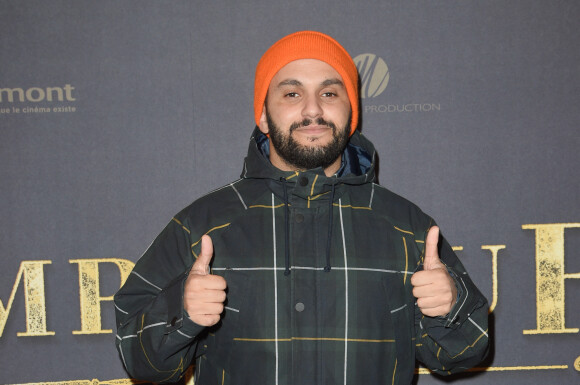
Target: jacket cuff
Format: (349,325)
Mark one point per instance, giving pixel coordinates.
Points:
(467,300)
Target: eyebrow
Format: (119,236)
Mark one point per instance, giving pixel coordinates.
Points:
(333,82)
(326,83)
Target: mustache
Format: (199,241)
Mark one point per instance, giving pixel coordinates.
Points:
(307,122)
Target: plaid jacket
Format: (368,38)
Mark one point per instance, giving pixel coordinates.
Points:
(318,272)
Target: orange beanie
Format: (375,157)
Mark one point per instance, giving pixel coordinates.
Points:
(306,45)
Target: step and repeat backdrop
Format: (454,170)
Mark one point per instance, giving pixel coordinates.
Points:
(114,115)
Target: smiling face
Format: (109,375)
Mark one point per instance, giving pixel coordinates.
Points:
(307,116)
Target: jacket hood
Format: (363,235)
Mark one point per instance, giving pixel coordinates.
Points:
(357,167)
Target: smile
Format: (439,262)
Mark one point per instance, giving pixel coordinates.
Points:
(313,129)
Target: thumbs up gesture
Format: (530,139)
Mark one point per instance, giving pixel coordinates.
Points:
(204,293)
(433,286)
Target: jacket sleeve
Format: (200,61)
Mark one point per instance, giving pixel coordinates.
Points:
(460,340)
(155,338)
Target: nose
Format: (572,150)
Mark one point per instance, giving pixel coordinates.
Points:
(312,108)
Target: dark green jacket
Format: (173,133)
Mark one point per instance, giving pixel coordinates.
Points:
(319,292)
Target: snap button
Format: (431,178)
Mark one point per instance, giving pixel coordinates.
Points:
(299,218)
(299,307)
(303,181)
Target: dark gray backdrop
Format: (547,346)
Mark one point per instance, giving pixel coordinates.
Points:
(477,124)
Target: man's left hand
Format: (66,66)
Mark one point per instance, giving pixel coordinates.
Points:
(433,286)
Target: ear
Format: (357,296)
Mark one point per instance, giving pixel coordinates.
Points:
(264,122)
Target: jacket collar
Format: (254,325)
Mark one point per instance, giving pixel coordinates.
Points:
(357,167)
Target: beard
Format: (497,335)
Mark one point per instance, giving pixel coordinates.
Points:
(308,157)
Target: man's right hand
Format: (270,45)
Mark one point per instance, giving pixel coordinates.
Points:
(204,293)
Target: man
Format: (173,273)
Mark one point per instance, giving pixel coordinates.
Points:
(304,271)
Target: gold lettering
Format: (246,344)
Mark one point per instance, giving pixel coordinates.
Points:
(94,381)
(89,292)
(494,294)
(34,298)
(550,276)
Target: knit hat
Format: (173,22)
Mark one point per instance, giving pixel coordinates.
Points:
(306,45)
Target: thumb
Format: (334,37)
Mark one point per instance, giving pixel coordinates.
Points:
(201,265)
(431,254)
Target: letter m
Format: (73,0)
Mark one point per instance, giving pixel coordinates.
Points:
(9,92)
(34,298)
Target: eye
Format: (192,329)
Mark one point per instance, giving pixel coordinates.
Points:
(291,94)
(329,94)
